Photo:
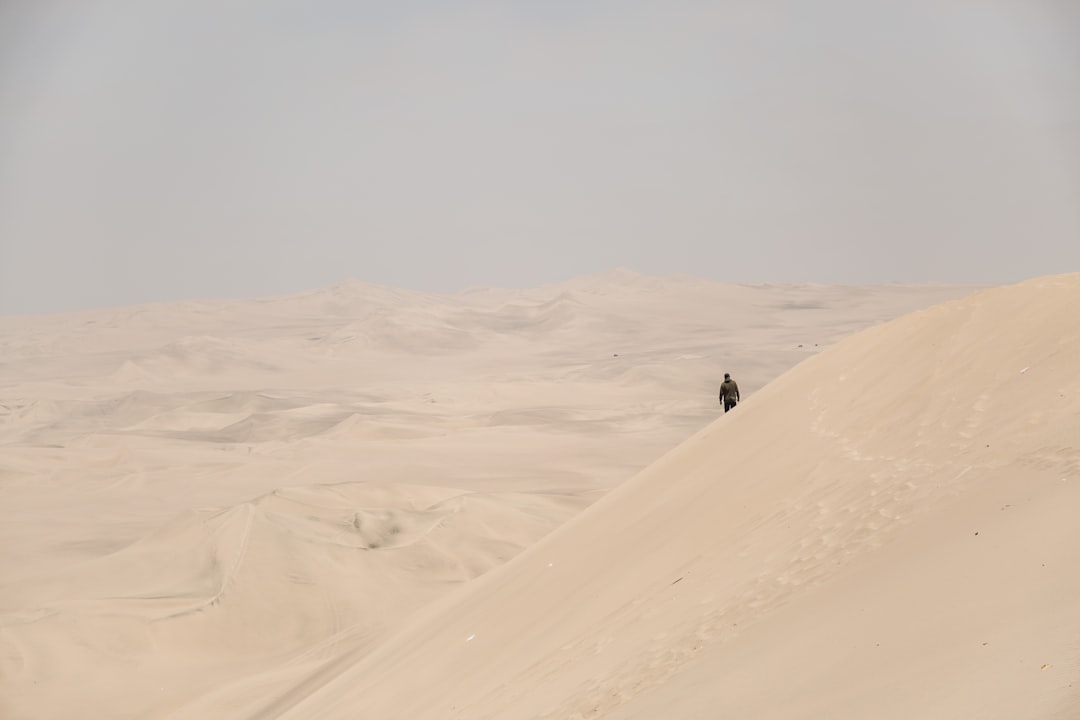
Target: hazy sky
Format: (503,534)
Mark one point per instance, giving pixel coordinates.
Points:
(165,149)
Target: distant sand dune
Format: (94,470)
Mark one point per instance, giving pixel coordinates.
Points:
(244,402)
(298,506)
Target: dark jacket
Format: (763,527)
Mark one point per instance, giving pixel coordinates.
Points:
(729,389)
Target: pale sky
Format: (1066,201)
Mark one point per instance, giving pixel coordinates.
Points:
(170,149)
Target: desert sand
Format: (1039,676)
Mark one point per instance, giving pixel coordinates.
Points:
(369,502)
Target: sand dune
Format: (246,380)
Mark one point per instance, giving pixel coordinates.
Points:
(911,553)
(250,508)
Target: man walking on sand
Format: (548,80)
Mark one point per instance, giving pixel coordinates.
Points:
(729,392)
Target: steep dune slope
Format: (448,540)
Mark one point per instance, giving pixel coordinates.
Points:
(888,530)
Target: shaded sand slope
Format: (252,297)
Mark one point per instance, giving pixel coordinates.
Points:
(888,531)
